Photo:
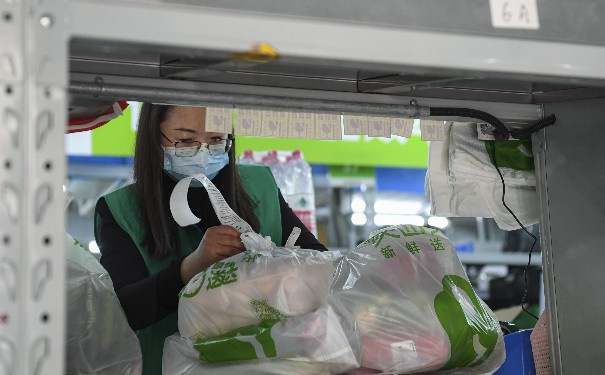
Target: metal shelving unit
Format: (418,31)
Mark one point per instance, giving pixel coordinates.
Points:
(342,55)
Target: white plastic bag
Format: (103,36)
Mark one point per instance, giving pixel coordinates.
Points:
(99,340)
(414,306)
(314,340)
(250,287)
(462,181)
(180,359)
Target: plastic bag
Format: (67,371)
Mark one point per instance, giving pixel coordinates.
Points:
(311,343)
(180,359)
(253,286)
(99,340)
(313,337)
(414,306)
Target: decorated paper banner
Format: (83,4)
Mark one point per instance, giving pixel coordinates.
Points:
(432,130)
(219,119)
(301,125)
(248,122)
(355,125)
(327,126)
(402,126)
(274,124)
(379,127)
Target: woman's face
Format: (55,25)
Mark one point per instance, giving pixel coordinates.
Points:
(186,123)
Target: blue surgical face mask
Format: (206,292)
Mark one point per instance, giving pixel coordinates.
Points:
(179,167)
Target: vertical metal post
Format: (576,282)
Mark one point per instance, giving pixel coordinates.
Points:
(33,75)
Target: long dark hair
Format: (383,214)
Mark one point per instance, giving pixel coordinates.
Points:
(161,236)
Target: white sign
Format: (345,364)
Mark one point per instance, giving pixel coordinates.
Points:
(514,14)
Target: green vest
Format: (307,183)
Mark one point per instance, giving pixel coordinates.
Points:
(261,188)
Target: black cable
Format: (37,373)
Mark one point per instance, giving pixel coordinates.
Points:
(534,127)
(501,133)
(531,249)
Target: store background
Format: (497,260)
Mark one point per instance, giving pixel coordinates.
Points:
(361,184)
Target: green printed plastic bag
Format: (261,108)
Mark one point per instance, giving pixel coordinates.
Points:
(414,306)
(316,339)
(252,287)
(180,358)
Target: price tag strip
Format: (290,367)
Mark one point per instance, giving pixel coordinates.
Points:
(182,214)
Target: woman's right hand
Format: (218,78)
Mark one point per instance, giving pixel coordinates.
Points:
(217,244)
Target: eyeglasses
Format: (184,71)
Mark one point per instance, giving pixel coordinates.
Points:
(188,147)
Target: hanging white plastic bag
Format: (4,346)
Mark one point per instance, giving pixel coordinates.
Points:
(414,306)
(99,339)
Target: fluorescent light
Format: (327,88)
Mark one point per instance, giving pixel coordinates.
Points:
(387,206)
(387,220)
(358,204)
(439,222)
(93,247)
(359,219)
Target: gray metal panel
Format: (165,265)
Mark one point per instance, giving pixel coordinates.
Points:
(572,184)
(33,74)
(350,44)
(560,20)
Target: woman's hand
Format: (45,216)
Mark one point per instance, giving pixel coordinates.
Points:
(218,243)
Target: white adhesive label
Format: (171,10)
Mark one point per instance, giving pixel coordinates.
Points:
(355,125)
(275,124)
(301,125)
(402,127)
(379,127)
(248,122)
(327,126)
(514,14)
(431,130)
(219,120)
(179,207)
(404,345)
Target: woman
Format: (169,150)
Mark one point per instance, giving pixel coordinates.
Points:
(148,256)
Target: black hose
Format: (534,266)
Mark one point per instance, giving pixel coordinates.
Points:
(501,133)
(531,129)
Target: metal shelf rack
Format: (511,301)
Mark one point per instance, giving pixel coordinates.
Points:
(342,55)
